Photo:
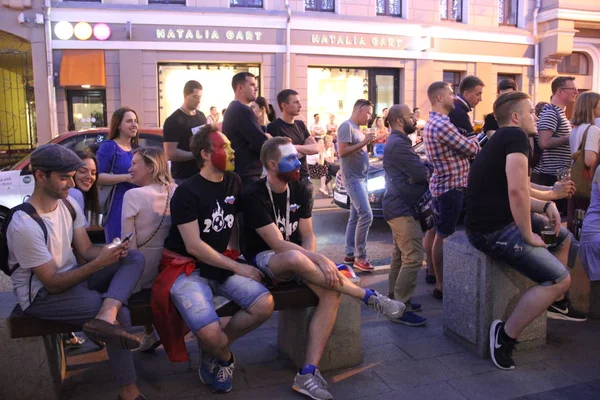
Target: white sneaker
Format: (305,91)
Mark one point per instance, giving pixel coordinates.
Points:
(149,342)
(388,307)
(313,386)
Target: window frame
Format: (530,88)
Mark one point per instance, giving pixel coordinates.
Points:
(566,71)
(455,84)
(386,6)
(508,4)
(319,6)
(459,8)
(166,2)
(261,6)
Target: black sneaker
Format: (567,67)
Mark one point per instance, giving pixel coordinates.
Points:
(429,279)
(563,309)
(501,350)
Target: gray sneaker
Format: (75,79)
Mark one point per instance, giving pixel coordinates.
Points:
(388,307)
(313,386)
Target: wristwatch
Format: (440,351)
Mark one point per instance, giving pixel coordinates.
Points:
(548,203)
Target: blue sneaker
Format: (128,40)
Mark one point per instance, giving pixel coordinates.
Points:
(223,382)
(411,306)
(410,318)
(207,368)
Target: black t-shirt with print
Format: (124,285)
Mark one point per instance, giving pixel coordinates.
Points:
(180,127)
(215,206)
(258,212)
(297,132)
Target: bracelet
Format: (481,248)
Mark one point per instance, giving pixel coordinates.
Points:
(547,205)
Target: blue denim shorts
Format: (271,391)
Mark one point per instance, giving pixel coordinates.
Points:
(262,260)
(447,209)
(193,296)
(536,263)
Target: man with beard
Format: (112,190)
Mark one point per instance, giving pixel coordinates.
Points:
(281,243)
(406,183)
(204,226)
(449,152)
(505,222)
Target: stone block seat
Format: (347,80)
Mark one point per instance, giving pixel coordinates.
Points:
(478,290)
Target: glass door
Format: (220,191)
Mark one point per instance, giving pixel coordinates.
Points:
(384,89)
(87,109)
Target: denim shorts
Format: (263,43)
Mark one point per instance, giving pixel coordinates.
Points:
(261,261)
(536,263)
(447,209)
(193,296)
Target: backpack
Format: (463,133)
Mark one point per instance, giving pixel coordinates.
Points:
(32,212)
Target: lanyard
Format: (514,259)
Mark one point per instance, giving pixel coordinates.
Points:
(287,211)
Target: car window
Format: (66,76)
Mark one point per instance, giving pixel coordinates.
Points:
(149,140)
(84,142)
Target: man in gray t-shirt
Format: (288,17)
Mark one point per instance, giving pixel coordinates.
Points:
(354,163)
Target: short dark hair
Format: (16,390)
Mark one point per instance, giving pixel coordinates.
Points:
(506,84)
(506,104)
(284,96)
(315,116)
(240,79)
(560,82)
(213,108)
(415,109)
(190,86)
(270,149)
(539,107)
(362,103)
(469,83)
(434,88)
(201,141)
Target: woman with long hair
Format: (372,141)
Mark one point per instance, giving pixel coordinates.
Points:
(146,213)
(114,161)
(85,191)
(264,112)
(587,109)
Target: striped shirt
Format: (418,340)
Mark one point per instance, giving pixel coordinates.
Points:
(449,152)
(553,118)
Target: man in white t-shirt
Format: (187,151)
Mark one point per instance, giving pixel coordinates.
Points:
(48,282)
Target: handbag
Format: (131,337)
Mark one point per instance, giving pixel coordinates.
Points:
(581,175)
(423,210)
(159,224)
(106,193)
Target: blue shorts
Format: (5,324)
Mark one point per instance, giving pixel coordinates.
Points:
(262,260)
(193,296)
(536,263)
(447,209)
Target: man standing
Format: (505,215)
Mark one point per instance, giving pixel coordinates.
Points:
(449,152)
(354,163)
(406,182)
(179,128)
(470,90)
(214,116)
(290,106)
(281,244)
(241,127)
(553,134)
(504,221)
(204,225)
(316,129)
(48,282)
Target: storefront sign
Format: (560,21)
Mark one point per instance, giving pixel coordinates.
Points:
(356,40)
(214,34)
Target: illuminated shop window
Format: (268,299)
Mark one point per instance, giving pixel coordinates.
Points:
(507,12)
(575,63)
(389,7)
(246,3)
(451,10)
(319,5)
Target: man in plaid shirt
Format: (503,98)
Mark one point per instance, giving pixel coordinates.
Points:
(449,152)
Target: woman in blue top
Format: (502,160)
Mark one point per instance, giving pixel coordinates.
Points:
(122,139)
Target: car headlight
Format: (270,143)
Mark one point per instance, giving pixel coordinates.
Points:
(375,184)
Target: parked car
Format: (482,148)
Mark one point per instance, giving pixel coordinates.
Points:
(376,181)
(16,183)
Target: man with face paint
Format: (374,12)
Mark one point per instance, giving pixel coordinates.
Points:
(406,182)
(204,213)
(281,244)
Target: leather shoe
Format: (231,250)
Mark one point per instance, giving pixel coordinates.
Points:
(97,329)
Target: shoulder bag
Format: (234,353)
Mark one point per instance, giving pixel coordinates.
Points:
(106,193)
(581,175)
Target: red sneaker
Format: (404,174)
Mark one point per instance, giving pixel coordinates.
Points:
(363,265)
(348,260)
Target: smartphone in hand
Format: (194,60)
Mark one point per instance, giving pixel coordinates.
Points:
(127,238)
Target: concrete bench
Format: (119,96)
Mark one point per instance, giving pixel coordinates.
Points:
(33,356)
(478,290)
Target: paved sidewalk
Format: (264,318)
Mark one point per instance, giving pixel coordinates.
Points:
(399,363)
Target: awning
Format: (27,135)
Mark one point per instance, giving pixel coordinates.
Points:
(82,67)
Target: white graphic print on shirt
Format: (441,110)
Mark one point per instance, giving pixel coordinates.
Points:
(218,221)
(281,223)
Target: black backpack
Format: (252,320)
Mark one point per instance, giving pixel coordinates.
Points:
(32,212)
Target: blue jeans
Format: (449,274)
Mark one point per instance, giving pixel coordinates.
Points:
(536,263)
(360,218)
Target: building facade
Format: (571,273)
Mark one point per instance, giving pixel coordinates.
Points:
(139,53)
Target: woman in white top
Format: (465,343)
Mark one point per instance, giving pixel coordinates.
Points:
(146,214)
(587,109)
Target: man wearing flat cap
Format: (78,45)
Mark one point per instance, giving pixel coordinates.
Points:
(47,280)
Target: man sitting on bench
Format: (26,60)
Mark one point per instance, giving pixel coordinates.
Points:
(281,243)
(204,225)
(503,221)
(48,282)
